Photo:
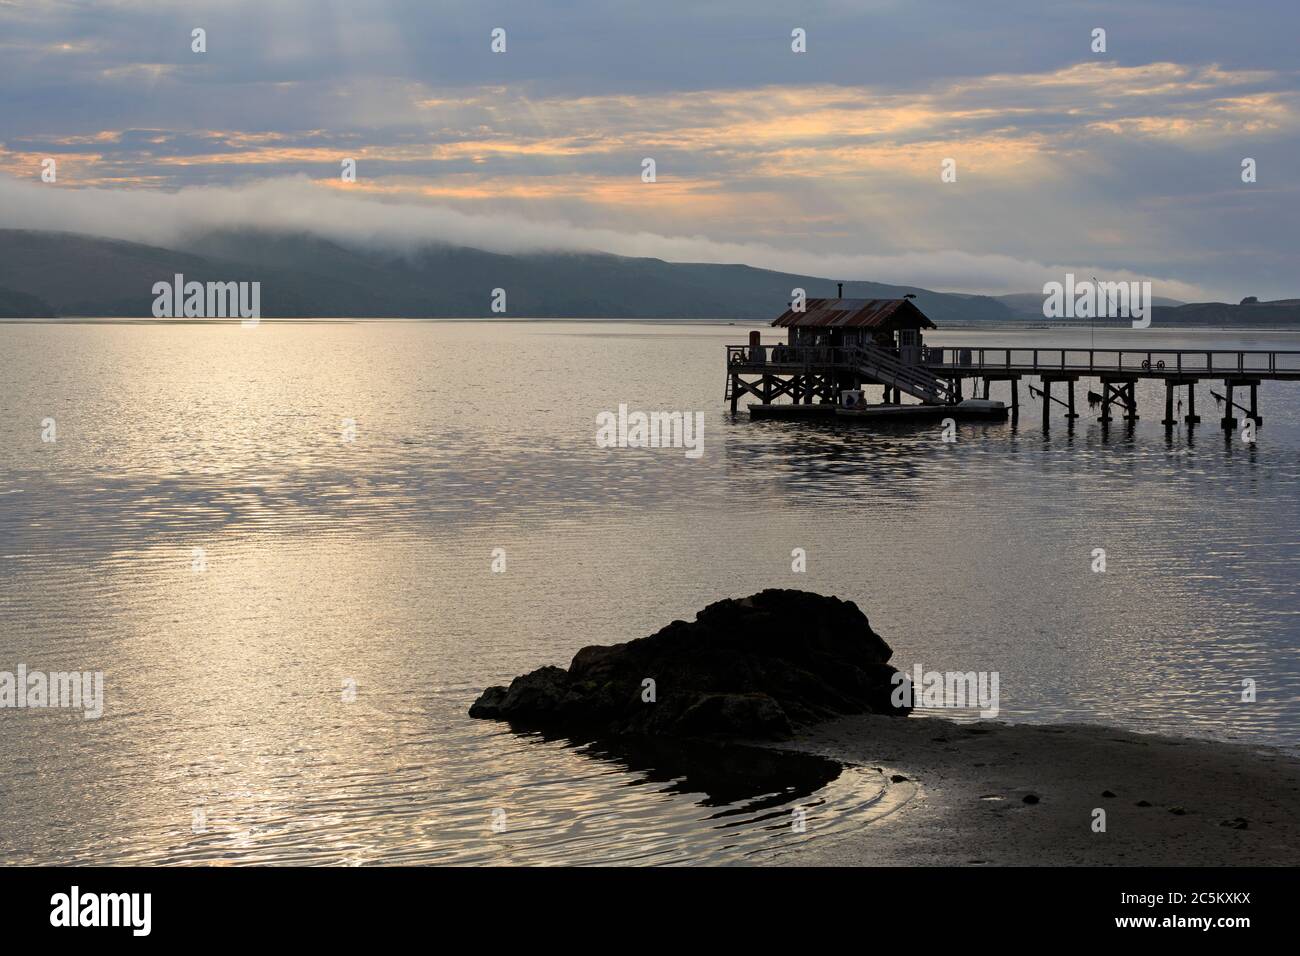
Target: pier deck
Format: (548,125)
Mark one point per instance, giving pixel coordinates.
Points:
(971,361)
(818,373)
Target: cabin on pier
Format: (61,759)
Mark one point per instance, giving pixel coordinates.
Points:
(892,324)
(836,346)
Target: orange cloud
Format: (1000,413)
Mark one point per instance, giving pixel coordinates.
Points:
(502,145)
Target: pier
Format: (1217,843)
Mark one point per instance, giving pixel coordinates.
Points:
(837,347)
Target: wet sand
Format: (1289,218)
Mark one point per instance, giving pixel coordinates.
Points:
(1176,801)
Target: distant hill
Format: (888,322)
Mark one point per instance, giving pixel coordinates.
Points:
(1031,303)
(304,276)
(1253,315)
(19,305)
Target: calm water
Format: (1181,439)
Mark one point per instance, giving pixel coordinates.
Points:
(370,561)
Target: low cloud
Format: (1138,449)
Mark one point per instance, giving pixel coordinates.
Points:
(297,204)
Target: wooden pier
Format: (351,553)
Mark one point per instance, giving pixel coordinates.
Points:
(1119,370)
(839,346)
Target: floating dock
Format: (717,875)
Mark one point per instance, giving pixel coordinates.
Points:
(877,413)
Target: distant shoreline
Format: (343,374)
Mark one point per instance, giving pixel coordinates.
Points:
(976,326)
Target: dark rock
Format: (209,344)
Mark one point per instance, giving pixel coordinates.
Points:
(754,667)
(1236,823)
(1107,793)
(489,703)
(754,715)
(1142,803)
(1177,811)
(897,778)
(1031,798)
(541,692)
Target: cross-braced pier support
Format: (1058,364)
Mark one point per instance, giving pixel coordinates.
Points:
(802,389)
(1118,391)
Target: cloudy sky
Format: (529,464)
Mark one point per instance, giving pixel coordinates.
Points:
(1125,163)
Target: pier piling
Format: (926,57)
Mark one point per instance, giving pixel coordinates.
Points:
(1229,421)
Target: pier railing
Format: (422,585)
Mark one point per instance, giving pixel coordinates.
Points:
(878,364)
(806,356)
(978,360)
(1142,362)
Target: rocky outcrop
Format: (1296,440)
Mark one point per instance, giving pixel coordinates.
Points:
(755,667)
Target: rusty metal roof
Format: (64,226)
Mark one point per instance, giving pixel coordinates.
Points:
(856,313)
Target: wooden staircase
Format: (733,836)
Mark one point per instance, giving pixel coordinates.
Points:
(919,382)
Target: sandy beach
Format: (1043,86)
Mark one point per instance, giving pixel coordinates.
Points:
(994,794)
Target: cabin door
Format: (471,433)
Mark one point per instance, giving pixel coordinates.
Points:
(909,346)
